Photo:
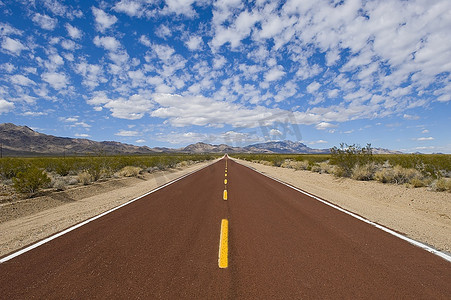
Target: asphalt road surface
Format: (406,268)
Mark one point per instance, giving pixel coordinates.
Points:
(277,244)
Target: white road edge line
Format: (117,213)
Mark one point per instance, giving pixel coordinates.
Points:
(390,231)
(52,237)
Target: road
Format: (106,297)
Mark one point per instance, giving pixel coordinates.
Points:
(278,244)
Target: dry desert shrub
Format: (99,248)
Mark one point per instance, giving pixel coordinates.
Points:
(364,172)
(297,165)
(84,178)
(130,171)
(399,175)
(59,183)
(441,185)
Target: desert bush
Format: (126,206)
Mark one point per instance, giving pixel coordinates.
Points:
(84,178)
(364,172)
(130,171)
(326,168)
(348,156)
(30,181)
(441,185)
(416,182)
(316,168)
(59,183)
(399,175)
(302,165)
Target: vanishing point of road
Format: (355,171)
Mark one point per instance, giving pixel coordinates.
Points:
(226,232)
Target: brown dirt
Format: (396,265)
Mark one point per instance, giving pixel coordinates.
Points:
(26,221)
(416,212)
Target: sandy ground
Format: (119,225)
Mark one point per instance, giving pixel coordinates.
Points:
(417,213)
(28,221)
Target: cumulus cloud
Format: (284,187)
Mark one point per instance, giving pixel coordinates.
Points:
(132,108)
(103,20)
(44,21)
(194,43)
(324,126)
(56,80)
(130,7)
(313,87)
(21,80)
(274,74)
(13,46)
(73,32)
(107,42)
(430,138)
(127,133)
(201,111)
(5,106)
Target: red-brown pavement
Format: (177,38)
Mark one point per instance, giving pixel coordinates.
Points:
(282,245)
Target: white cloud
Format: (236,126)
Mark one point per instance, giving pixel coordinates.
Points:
(82,135)
(145,41)
(425,139)
(140,141)
(410,117)
(324,126)
(132,108)
(108,42)
(130,7)
(21,80)
(5,106)
(180,7)
(425,131)
(103,20)
(34,114)
(7,67)
(45,22)
(194,43)
(313,87)
(6,29)
(274,74)
(163,31)
(318,142)
(13,46)
(127,133)
(73,32)
(201,111)
(56,80)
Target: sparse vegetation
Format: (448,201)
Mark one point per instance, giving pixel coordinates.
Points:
(29,175)
(130,171)
(352,161)
(30,181)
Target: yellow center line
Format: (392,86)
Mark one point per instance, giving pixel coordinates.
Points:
(224,196)
(225,174)
(223,259)
(225,181)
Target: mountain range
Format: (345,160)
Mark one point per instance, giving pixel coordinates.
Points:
(21,140)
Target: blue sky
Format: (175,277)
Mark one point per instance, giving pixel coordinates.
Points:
(174,72)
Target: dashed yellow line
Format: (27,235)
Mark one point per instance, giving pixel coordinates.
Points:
(225,181)
(224,195)
(223,259)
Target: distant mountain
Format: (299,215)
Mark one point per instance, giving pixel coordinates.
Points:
(286,147)
(22,140)
(385,151)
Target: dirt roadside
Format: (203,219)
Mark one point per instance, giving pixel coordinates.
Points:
(31,220)
(417,213)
